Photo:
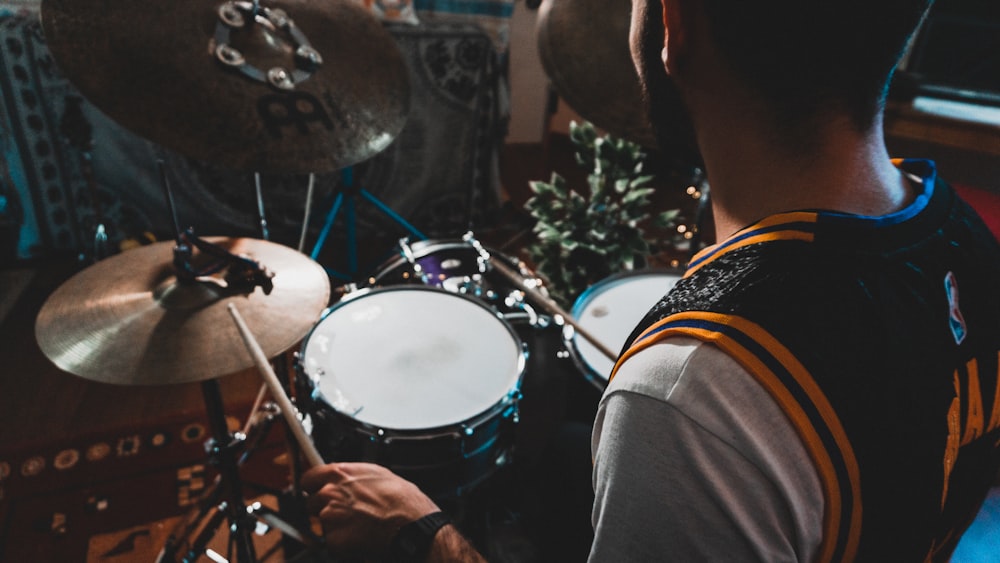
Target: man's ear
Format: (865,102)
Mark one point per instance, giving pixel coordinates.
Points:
(674,37)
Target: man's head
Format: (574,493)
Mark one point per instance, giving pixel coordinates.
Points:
(802,60)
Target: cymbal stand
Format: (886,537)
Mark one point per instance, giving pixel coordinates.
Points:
(346,195)
(228,493)
(225,502)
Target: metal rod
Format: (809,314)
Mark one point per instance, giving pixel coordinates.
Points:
(308,211)
(552,307)
(546,303)
(235,509)
(264,234)
(170,198)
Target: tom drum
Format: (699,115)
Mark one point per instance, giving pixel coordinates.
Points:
(418,379)
(610,310)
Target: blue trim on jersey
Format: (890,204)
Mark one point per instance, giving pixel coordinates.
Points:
(926,170)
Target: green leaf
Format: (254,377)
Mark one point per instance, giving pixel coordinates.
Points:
(636,195)
(667,218)
(640,181)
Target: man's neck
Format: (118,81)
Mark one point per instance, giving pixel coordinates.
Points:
(751,178)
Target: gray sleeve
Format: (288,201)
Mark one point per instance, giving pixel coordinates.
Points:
(693,461)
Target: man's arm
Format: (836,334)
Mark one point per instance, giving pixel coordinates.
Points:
(362,507)
(451,546)
(695,461)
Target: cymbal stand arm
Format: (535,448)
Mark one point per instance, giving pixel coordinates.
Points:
(264,233)
(307,212)
(165,182)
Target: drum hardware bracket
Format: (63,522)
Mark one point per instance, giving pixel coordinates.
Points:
(264,426)
(215,450)
(241,273)
(514,410)
(406,251)
(548,304)
(224,501)
(235,15)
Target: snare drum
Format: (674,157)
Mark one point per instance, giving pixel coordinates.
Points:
(610,310)
(423,381)
(455,265)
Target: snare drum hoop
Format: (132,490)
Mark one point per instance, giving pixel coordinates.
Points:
(424,248)
(584,360)
(458,427)
(421,249)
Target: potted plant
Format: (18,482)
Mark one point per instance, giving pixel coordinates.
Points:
(582,238)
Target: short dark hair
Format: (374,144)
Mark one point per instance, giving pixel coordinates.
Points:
(805,55)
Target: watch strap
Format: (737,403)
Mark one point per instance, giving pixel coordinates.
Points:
(413,541)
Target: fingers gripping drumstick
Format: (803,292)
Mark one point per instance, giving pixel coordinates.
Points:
(277,392)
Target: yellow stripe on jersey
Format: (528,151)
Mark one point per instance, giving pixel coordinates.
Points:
(772,228)
(995,417)
(974,405)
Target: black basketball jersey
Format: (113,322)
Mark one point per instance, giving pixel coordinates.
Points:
(879,338)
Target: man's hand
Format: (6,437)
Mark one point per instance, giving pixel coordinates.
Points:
(362,505)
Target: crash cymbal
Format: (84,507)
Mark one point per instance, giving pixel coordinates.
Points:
(584,49)
(157,68)
(128,320)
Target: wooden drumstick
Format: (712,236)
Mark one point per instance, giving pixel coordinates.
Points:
(552,307)
(277,391)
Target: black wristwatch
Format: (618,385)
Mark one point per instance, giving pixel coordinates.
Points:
(413,541)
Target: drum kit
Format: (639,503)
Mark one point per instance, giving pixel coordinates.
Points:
(419,367)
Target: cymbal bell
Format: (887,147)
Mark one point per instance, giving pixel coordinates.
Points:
(599,83)
(128,320)
(320,90)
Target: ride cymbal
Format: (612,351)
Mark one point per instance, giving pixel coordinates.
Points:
(584,49)
(128,320)
(292,86)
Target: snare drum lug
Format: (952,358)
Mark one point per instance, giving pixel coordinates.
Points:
(351,291)
(406,251)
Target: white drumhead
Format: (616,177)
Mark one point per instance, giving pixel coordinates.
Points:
(611,309)
(412,358)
